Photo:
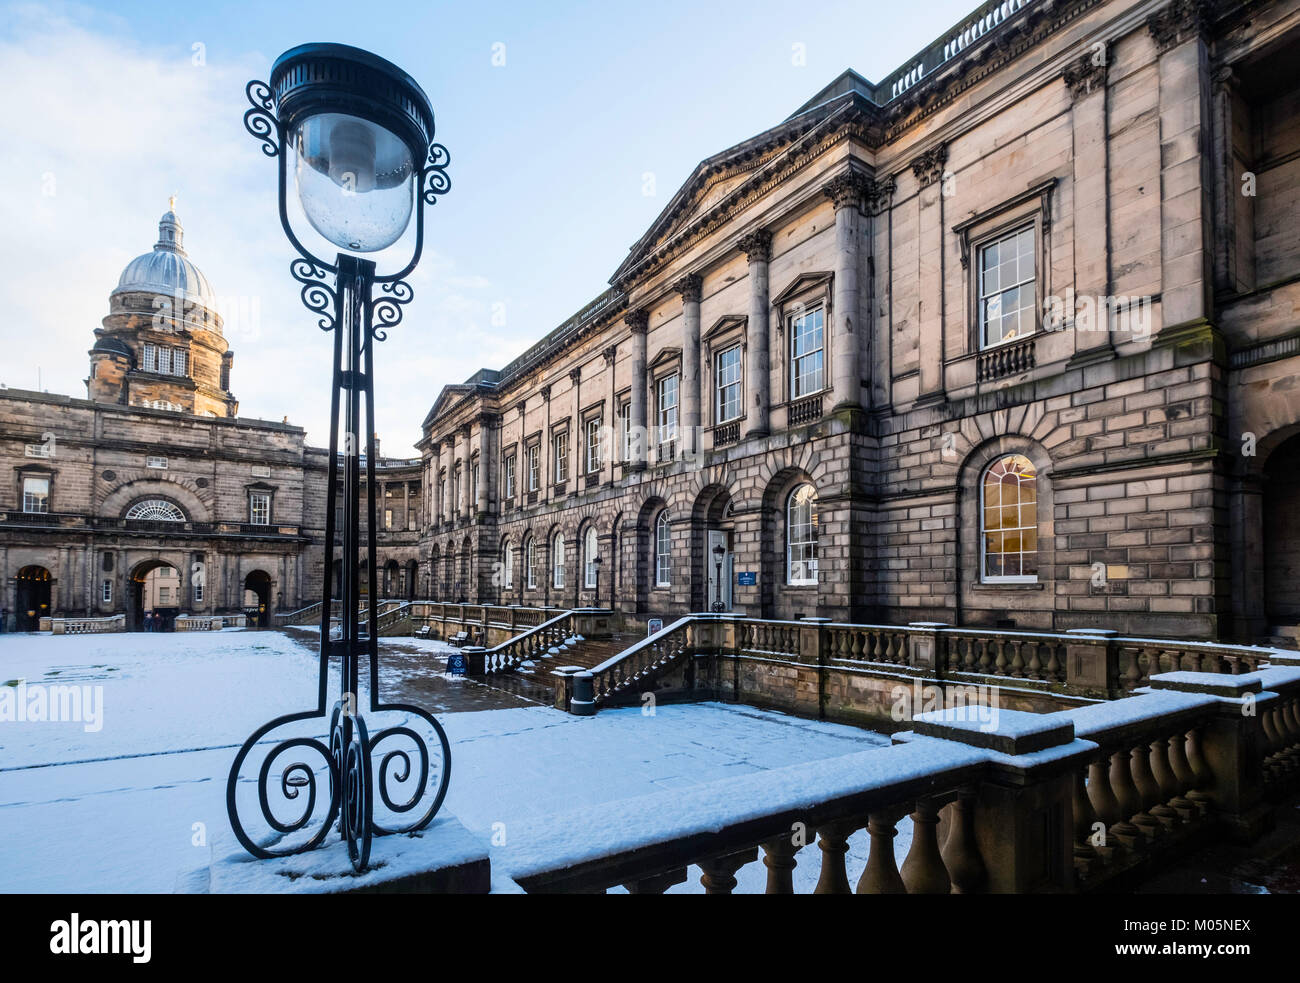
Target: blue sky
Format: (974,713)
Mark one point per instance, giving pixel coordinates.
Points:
(116,108)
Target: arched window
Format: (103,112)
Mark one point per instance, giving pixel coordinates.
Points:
(1009,521)
(156,510)
(664,549)
(801,536)
(530,563)
(557,560)
(590,550)
(508,575)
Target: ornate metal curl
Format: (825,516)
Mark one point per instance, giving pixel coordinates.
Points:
(386,311)
(317,295)
(434,180)
(261,121)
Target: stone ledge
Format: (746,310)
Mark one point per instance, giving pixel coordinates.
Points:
(1011,732)
(1211,684)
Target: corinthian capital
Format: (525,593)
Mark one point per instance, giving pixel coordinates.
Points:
(690,287)
(638,320)
(757,245)
(1180,21)
(928,167)
(848,188)
(1087,74)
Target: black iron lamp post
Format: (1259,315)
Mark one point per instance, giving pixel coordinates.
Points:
(719,552)
(596,561)
(360,134)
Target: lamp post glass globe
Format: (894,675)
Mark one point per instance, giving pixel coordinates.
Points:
(355,180)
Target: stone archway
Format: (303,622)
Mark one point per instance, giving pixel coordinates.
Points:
(33,597)
(155,592)
(257,599)
(1281,506)
(712,529)
(412,579)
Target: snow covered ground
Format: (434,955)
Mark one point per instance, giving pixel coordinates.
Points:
(114,806)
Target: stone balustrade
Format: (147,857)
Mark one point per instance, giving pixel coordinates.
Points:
(999,801)
(87,626)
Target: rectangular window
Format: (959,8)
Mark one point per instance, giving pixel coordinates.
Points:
(156,462)
(473,489)
(593,445)
(261,471)
(259,509)
(667,409)
(388,518)
(510,476)
(36,494)
(807,354)
(106,592)
(626,413)
(178,361)
(728,384)
(149,361)
(40,450)
(561,457)
(164,595)
(198,592)
(534,467)
(1007,294)
(164,356)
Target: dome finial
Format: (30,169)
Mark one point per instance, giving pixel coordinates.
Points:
(170,232)
(171,202)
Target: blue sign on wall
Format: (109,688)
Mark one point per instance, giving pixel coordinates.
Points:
(654,626)
(746,578)
(457,664)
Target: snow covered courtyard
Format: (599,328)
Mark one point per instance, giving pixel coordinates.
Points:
(114,803)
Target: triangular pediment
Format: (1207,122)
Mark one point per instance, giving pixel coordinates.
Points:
(801,283)
(666,355)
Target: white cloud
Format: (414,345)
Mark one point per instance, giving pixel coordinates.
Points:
(105,130)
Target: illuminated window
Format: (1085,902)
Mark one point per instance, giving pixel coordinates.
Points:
(1009,521)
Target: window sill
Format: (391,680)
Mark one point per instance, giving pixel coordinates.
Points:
(985,585)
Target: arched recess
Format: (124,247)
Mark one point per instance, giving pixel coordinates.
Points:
(648,592)
(1281,536)
(155,585)
(982,597)
(412,579)
(33,591)
(257,599)
(435,573)
(711,527)
(778,598)
(391,575)
(466,590)
(120,499)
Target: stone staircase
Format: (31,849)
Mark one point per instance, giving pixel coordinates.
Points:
(532,679)
(1283,636)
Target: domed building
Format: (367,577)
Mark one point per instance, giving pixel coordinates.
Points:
(161,344)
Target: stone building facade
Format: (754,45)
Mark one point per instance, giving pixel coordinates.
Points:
(1008,338)
(155,472)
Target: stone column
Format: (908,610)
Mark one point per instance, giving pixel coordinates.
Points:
(757,247)
(928,169)
(690,287)
(1086,79)
(1186,276)
(639,322)
(846,191)
(467,477)
(486,473)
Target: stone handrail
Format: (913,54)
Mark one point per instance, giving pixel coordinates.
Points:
(87,626)
(643,662)
(527,645)
(1091,797)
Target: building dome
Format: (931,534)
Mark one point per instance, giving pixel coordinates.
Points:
(167,270)
(113,346)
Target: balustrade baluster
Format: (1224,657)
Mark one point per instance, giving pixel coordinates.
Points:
(1000,665)
(779,859)
(1148,791)
(1163,775)
(923,870)
(985,659)
(1126,795)
(1104,803)
(1017,661)
(719,873)
(1182,773)
(1086,819)
(1199,793)
(1035,667)
(881,873)
(833,840)
(961,855)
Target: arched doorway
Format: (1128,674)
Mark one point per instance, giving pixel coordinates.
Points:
(1282,535)
(712,546)
(33,598)
(155,596)
(412,579)
(257,599)
(390,579)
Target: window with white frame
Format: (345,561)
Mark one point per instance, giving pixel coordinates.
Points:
(625,413)
(561,456)
(801,536)
(729,401)
(259,508)
(509,477)
(667,408)
(557,560)
(155,510)
(1009,521)
(164,360)
(158,463)
(590,552)
(455,491)
(198,591)
(534,467)
(593,445)
(530,563)
(664,549)
(1007,296)
(36,494)
(508,574)
(474,486)
(106,592)
(807,353)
